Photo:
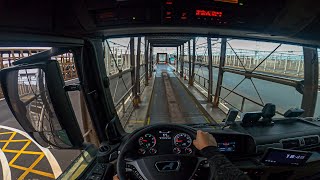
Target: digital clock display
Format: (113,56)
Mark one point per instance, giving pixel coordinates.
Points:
(208,13)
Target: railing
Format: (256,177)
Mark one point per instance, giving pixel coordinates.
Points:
(124,106)
(244,99)
(202,81)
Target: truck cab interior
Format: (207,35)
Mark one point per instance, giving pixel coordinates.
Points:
(261,145)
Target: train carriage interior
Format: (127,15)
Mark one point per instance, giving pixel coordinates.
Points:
(127,83)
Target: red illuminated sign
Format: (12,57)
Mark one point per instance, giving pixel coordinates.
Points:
(208,13)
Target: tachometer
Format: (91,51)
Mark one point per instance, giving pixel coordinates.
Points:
(182,140)
(147,141)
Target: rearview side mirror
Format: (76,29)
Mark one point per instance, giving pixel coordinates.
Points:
(36,96)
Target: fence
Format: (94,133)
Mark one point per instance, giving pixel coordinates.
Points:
(203,82)
(124,104)
(278,65)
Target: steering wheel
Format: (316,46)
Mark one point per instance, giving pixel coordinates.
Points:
(154,167)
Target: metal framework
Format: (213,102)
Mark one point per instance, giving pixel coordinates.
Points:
(220,74)
(210,69)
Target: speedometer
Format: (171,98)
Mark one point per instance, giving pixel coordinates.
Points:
(147,141)
(182,140)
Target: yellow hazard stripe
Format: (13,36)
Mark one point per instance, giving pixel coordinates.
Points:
(34,171)
(22,152)
(18,153)
(6,133)
(7,143)
(19,140)
(27,171)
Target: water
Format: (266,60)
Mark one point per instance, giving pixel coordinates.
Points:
(284,97)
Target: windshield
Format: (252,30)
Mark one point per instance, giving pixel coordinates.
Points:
(173,83)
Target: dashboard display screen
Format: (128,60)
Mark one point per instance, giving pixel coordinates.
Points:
(276,157)
(227,146)
(165,135)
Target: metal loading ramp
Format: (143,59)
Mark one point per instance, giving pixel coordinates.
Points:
(164,97)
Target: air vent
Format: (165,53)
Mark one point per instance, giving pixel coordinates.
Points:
(311,140)
(292,143)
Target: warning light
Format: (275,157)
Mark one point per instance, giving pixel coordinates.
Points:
(208,13)
(169,3)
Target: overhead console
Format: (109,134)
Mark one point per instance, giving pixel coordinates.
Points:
(203,13)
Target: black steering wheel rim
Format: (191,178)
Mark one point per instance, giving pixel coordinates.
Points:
(121,163)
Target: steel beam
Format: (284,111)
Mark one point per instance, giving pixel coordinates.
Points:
(150,61)
(138,67)
(311,73)
(193,59)
(275,79)
(189,54)
(182,61)
(132,66)
(210,69)
(146,58)
(220,74)
(177,60)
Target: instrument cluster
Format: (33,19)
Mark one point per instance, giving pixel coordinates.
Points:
(165,142)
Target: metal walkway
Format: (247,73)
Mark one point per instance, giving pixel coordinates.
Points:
(159,111)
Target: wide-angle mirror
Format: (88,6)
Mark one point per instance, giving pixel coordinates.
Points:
(36,96)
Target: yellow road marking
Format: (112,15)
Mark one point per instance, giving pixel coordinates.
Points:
(19,140)
(11,137)
(6,133)
(22,151)
(148,121)
(26,172)
(140,121)
(33,171)
(19,153)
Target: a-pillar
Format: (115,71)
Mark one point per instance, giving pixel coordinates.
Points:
(311,73)
(220,74)
(210,69)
